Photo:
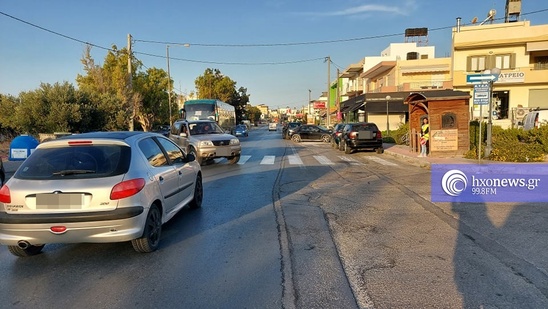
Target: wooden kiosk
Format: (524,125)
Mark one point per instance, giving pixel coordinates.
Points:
(448,113)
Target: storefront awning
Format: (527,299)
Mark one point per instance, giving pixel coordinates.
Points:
(376,102)
(352,104)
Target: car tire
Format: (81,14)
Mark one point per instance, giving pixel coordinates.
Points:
(341,145)
(296,138)
(151,235)
(234,159)
(198,194)
(326,138)
(195,153)
(379,150)
(30,251)
(347,149)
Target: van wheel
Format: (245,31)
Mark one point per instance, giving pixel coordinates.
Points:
(195,153)
(234,159)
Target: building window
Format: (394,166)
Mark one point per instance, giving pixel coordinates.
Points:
(476,63)
(541,63)
(505,61)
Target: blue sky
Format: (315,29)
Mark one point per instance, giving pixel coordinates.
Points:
(274,48)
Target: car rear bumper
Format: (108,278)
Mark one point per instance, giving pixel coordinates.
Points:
(111,226)
(360,144)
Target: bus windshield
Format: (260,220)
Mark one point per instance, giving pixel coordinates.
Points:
(200,111)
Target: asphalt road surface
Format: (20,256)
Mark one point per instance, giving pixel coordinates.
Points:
(305,226)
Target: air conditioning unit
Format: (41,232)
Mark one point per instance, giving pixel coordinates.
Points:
(520,112)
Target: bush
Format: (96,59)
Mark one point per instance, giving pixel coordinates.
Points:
(509,145)
(396,136)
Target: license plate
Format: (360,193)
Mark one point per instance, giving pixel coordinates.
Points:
(59,201)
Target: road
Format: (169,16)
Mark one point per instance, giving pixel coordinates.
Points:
(305,226)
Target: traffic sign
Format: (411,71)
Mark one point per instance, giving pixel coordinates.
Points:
(482,94)
(481,78)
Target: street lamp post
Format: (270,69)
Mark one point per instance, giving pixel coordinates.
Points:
(489,139)
(387,119)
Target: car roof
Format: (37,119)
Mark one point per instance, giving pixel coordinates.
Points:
(119,135)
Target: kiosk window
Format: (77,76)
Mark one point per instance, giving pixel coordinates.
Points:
(449,121)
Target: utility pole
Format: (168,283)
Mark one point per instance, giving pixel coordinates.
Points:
(338,100)
(328,122)
(168,84)
(309,112)
(130,82)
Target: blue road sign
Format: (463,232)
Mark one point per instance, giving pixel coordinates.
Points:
(482,93)
(481,78)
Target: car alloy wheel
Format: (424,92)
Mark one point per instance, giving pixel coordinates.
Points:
(151,236)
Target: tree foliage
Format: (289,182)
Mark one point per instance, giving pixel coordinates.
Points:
(108,98)
(214,85)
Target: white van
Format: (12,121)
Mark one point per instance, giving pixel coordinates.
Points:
(534,119)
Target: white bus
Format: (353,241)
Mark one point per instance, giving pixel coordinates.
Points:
(208,109)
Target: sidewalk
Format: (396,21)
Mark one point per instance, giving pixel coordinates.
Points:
(404,153)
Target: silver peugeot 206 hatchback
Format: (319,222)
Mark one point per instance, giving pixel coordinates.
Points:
(97,188)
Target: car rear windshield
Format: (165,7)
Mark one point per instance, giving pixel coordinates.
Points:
(75,162)
(364,127)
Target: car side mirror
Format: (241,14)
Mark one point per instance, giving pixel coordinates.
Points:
(190,157)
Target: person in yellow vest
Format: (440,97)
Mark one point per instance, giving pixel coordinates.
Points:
(425,134)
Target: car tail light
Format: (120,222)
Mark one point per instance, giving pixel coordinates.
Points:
(127,188)
(353,135)
(58,229)
(79,143)
(5,196)
(379,135)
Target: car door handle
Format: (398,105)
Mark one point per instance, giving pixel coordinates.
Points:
(161,178)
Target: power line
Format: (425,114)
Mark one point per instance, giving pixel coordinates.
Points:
(229,63)
(54,32)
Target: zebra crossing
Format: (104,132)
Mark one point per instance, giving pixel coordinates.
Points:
(295,159)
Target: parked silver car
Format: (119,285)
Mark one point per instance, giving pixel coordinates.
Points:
(97,188)
(206,140)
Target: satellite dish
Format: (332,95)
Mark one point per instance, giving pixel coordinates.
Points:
(474,20)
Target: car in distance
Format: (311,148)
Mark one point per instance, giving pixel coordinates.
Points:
(163,129)
(310,132)
(361,135)
(272,126)
(240,130)
(97,187)
(289,128)
(205,140)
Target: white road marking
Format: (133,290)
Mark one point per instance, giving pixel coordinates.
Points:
(294,160)
(323,160)
(381,161)
(352,161)
(243,159)
(268,160)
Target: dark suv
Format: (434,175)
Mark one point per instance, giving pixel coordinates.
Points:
(289,128)
(361,135)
